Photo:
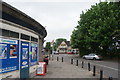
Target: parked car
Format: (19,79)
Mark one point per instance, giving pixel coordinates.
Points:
(56,52)
(72,51)
(69,52)
(92,56)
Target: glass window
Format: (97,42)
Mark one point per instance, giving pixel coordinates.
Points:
(5,33)
(34,39)
(8,33)
(25,37)
(90,54)
(14,34)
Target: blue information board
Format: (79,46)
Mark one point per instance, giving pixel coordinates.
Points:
(24,55)
(9,55)
(33,53)
(24,60)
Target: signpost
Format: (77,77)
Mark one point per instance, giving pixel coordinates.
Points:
(24,60)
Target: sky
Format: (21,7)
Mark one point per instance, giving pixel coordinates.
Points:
(59,17)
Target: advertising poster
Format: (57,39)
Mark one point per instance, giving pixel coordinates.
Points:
(24,54)
(33,54)
(41,68)
(3,51)
(13,51)
(9,55)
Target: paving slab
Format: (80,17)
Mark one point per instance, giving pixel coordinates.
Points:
(57,69)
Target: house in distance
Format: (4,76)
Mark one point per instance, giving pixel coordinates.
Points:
(65,48)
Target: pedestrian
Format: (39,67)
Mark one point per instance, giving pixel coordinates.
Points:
(46,60)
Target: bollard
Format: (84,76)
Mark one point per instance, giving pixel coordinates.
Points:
(94,68)
(101,75)
(88,66)
(82,64)
(76,62)
(71,61)
(62,59)
(49,57)
(52,57)
(110,78)
(57,58)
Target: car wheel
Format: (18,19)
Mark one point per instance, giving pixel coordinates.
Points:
(84,57)
(94,58)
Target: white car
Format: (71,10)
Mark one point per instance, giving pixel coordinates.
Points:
(92,56)
(56,52)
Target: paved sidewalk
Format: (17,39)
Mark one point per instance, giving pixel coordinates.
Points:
(57,69)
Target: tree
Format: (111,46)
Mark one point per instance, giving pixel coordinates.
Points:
(48,47)
(96,28)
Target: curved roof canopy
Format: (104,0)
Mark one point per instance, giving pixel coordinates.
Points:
(14,15)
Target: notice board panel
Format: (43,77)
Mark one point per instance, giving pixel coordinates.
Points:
(33,53)
(9,55)
(41,68)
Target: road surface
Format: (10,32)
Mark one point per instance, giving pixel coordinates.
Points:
(110,68)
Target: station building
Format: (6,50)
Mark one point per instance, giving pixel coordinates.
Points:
(21,43)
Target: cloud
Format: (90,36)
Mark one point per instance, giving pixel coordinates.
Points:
(60,18)
(52,0)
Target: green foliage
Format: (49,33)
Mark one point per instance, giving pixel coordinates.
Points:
(96,28)
(48,46)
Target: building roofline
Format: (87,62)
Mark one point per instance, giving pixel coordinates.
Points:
(22,16)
